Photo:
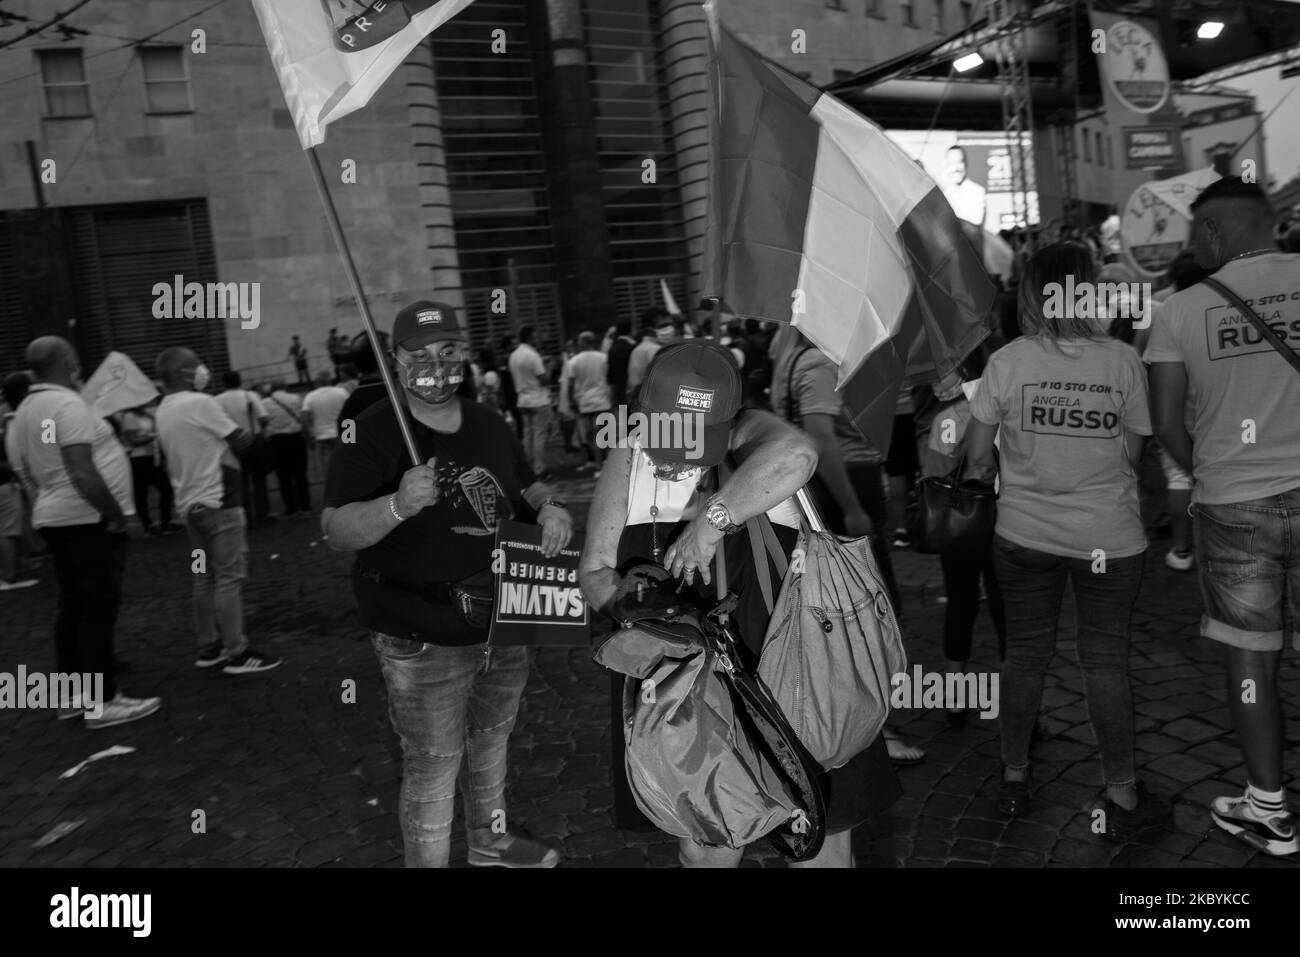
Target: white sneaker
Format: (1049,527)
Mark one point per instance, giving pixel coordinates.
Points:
(122,710)
(15,585)
(1179,562)
(1273,835)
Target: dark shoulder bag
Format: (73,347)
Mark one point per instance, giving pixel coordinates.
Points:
(952,515)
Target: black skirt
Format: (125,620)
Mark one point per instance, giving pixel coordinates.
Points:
(867,785)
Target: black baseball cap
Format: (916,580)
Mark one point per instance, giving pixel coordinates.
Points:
(698,376)
(424,322)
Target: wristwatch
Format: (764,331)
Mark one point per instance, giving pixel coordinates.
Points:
(558,503)
(717,515)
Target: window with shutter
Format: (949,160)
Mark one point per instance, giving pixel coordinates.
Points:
(119,253)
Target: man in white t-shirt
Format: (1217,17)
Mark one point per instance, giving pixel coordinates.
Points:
(584,389)
(656,332)
(534,399)
(967,198)
(1227,409)
(200,443)
(80,478)
(321,409)
(288,438)
(246,410)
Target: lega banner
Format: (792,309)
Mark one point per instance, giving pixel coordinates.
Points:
(537,598)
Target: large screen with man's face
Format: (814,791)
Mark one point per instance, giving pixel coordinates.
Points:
(973,169)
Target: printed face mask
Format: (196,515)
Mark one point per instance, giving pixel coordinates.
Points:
(676,472)
(432,380)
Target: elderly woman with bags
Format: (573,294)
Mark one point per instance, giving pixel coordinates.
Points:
(662,500)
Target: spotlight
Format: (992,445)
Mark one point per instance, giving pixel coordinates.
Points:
(1209,30)
(968,62)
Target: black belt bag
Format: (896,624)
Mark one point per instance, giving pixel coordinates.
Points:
(426,611)
(473,600)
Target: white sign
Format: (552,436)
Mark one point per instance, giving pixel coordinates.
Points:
(1135,67)
(1152,231)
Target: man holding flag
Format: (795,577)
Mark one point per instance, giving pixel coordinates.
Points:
(424,539)
(419,505)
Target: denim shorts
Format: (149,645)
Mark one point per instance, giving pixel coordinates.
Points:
(1248,561)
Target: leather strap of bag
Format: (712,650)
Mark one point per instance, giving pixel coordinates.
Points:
(761,569)
(1272,338)
(296,416)
(759,531)
(720,575)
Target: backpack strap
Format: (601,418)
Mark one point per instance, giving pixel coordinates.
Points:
(296,416)
(1272,337)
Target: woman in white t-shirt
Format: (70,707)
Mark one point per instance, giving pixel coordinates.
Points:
(1071,403)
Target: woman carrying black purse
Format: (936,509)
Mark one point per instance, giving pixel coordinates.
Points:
(964,564)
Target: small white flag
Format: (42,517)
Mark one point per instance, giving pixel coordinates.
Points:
(669,302)
(117,384)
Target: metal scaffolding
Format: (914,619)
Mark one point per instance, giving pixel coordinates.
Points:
(1011,19)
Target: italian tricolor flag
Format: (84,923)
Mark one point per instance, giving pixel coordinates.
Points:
(817,219)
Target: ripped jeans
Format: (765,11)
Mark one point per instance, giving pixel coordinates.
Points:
(445,704)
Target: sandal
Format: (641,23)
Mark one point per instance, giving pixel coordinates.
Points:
(901,753)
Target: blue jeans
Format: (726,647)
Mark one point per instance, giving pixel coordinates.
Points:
(537,424)
(1248,562)
(446,701)
(1033,584)
(219,588)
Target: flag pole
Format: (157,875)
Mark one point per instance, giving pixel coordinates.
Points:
(354,280)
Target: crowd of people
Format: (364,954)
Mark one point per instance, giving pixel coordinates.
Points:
(1063,414)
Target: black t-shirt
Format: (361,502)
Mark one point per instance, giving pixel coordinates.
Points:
(620,354)
(482,472)
(368,391)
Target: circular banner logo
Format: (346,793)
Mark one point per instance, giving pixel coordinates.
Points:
(1135,67)
(1152,231)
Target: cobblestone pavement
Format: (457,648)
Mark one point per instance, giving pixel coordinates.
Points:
(286,773)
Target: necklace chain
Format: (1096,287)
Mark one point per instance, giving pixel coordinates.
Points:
(654,519)
(1254,252)
(654,524)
